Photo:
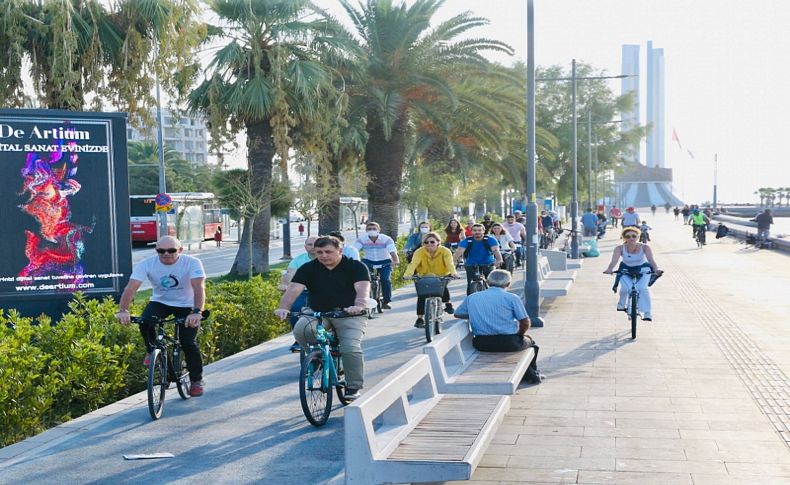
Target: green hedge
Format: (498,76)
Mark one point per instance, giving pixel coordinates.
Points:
(52,373)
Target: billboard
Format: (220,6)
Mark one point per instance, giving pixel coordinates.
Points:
(64,208)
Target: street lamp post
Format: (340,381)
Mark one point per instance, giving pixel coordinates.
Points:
(161,156)
(589,157)
(715,176)
(531,285)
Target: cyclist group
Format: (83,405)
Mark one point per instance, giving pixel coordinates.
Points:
(332,275)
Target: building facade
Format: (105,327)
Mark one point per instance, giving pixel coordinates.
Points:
(655,107)
(631,119)
(186,135)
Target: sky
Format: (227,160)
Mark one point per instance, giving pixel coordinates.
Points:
(726,68)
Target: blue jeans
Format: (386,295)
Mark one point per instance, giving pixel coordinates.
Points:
(301,302)
(384,273)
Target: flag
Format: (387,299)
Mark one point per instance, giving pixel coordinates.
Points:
(690,154)
(675,138)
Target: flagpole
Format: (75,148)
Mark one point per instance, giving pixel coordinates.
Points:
(715,177)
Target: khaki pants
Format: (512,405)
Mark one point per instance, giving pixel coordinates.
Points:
(349,331)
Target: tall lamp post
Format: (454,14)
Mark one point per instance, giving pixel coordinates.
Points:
(715,176)
(574,169)
(531,285)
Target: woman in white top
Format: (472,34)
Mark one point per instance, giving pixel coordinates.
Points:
(507,245)
(634,255)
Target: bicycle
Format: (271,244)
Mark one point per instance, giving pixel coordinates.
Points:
(547,238)
(699,234)
(321,370)
(509,260)
(452,247)
(432,289)
(479,281)
(375,289)
(632,303)
(167,363)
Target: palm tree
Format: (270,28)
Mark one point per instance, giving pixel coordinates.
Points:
(263,81)
(82,49)
(403,61)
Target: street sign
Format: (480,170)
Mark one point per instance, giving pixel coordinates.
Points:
(163,203)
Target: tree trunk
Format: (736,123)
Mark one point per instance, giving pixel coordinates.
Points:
(329,201)
(384,163)
(260,152)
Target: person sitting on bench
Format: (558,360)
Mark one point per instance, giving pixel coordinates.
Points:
(499,321)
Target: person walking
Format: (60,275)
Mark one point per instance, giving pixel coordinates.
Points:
(764,222)
(218,236)
(301,229)
(589,223)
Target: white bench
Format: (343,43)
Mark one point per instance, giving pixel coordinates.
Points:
(461,369)
(547,272)
(551,287)
(558,260)
(404,431)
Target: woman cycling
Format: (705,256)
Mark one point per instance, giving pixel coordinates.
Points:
(454,233)
(506,245)
(415,239)
(638,256)
(432,259)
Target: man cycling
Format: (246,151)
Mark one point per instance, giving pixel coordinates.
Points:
(178,290)
(379,250)
(699,223)
(334,281)
(519,234)
(478,250)
(631,218)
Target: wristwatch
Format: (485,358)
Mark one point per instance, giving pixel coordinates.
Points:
(196,311)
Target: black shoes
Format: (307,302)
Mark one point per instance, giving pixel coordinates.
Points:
(533,376)
(419,323)
(448,308)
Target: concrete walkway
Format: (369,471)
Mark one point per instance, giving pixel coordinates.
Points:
(700,397)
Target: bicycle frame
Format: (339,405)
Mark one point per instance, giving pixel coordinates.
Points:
(327,341)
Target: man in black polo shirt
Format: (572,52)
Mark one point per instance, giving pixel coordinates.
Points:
(333,281)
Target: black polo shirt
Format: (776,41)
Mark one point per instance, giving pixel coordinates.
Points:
(331,288)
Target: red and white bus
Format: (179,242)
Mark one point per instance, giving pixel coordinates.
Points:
(195,214)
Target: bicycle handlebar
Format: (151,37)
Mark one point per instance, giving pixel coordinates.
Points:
(160,321)
(330,314)
(443,278)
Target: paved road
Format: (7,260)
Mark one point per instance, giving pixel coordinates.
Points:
(700,397)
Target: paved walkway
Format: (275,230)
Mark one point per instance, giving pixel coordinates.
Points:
(700,397)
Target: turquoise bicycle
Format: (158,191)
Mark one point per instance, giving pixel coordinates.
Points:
(322,370)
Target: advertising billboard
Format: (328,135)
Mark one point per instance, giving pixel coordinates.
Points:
(64,208)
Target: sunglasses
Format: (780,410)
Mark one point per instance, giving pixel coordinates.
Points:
(430,242)
(169,250)
(630,236)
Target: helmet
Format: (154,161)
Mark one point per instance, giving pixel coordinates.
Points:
(630,209)
(695,211)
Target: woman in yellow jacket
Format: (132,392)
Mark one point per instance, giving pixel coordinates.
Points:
(432,259)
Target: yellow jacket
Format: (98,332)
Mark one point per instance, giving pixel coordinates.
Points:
(441,264)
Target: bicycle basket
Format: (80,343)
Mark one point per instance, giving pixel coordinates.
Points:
(429,287)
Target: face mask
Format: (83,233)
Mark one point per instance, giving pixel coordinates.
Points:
(373,233)
(424,230)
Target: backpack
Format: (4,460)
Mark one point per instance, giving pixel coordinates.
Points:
(471,240)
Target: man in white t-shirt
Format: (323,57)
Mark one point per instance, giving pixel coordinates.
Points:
(519,234)
(178,283)
(379,250)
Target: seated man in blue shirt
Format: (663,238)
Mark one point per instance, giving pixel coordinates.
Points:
(499,321)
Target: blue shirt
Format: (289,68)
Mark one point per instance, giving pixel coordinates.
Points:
(351,252)
(479,254)
(299,261)
(493,312)
(589,220)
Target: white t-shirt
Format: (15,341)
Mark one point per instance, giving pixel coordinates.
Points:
(503,239)
(376,251)
(172,283)
(514,230)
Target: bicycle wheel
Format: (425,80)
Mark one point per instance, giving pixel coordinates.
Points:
(180,373)
(315,397)
(430,318)
(341,377)
(633,313)
(157,383)
(377,295)
(510,264)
